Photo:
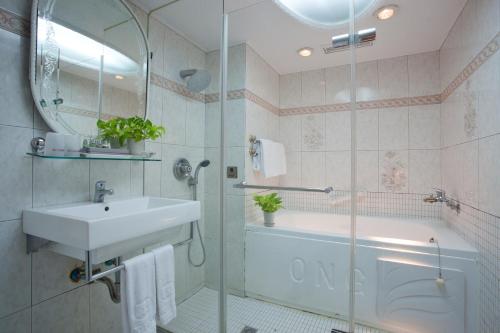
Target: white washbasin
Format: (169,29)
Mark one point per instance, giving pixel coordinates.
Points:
(89,226)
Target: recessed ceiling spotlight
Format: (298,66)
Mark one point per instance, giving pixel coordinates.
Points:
(305,51)
(386,12)
(119,77)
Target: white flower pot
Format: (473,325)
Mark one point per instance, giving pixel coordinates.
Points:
(135,148)
(269,219)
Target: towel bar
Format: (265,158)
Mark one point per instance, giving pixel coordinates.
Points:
(90,277)
(284,188)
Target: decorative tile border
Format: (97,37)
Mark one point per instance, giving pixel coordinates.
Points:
(175,87)
(14,23)
(490,49)
(376,104)
(261,102)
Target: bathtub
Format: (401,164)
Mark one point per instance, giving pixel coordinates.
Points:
(303,262)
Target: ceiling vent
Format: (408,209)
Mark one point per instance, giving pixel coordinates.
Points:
(339,43)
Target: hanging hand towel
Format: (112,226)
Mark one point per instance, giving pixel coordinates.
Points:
(138,294)
(165,284)
(273,159)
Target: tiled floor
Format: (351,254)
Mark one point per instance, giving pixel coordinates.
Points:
(198,314)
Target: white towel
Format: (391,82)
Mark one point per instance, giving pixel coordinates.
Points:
(165,284)
(272,158)
(138,294)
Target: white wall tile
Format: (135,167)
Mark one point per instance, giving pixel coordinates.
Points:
(19,322)
(195,124)
(313,87)
(174,118)
(468,181)
(338,84)
(293,173)
(313,132)
(175,52)
(68,312)
(313,169)
(424,170)
(489,174)
(60,181)
(290,90)
(367,170)
(16,176)
(17,102)
(289,132)
(157,39)
(50,275)
(212,125)
(367,81)
(393,77)
(338,170)
(236,116)
(423,73)
(425,127)
(488,97)
(261,78)
(367,129)
(15,275)
(338,131)
(393,128)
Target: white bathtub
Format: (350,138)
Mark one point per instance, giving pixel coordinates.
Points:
(303,262)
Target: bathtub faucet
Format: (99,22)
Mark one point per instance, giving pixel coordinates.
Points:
(440,196)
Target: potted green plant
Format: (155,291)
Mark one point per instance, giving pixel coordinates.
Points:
(114,131)
(139,130)
(132,130)
(269,204)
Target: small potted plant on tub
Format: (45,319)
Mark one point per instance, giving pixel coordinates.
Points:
(269,204)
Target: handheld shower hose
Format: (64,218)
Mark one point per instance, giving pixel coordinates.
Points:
(193,182)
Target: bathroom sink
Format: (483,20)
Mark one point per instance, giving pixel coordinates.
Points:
(89,226)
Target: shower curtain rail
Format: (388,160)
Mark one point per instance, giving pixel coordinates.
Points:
(244,185)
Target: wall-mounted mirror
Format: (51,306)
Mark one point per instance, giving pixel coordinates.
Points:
(89,61)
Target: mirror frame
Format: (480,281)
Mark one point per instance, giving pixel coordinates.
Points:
(53,124)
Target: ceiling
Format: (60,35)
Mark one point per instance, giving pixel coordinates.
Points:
(419,26)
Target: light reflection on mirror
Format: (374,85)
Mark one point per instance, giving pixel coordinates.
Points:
(78,49)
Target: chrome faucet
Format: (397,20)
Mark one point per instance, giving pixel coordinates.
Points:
(101,191)
(440,196)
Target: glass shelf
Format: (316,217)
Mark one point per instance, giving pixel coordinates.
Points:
(94,157)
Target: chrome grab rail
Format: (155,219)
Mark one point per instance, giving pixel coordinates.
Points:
(244,185)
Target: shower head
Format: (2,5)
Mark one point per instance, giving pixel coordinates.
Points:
(196,79)
(204,163)
(194,179)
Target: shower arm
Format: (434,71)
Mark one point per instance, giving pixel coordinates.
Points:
(244,185)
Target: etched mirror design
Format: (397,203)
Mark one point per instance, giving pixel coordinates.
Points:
(89,61)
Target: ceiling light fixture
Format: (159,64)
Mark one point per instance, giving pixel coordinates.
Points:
(305,51)
(386,12)
(325,13)
(119,77)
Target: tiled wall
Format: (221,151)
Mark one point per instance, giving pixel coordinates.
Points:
(470,147)
(398,147)
(183,116)
(35,292)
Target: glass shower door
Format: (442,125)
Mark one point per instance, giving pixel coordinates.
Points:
(285,83)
